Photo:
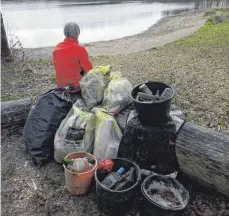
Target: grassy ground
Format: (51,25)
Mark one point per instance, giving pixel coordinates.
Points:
(196,66)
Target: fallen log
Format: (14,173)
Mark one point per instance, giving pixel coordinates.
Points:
(203,155)
(15,112)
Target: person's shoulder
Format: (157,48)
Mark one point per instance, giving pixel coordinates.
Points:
(80,47)
(59,45)
(81,50)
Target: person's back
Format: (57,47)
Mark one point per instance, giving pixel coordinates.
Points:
(70,59)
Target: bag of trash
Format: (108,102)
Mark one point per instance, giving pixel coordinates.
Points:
(117,94)
(107,136)
(76,132)
(103,71)
(43,121)
(93,85)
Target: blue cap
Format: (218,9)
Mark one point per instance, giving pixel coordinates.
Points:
(121,170)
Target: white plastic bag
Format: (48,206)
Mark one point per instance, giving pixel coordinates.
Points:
(107,136)
(117,94)
(76,133)
(93,85)
(104,72)
(79,164)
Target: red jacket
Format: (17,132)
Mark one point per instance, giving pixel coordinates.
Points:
(70,59)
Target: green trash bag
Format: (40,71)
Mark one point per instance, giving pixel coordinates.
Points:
(76,132)
(117,94)
(107,136)
(93,85)
(103,71)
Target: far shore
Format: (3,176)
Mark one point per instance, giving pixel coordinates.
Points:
(165,31)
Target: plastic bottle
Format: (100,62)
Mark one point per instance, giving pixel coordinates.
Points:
(144,88)
(145,97)
(145,172)
(167,93)
(128,178)
(113,178)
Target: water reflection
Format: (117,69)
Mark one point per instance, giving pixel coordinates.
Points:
(40,23)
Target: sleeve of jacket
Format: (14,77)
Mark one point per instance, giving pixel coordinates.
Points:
(84,60)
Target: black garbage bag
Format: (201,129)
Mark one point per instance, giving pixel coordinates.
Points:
(43,121)
(151,145)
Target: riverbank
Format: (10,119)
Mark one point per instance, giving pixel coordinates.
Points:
(165,31)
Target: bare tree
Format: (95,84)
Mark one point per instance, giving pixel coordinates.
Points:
(5,50)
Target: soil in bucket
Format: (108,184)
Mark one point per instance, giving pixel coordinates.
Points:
(163,196)
(117,202)
(78,183)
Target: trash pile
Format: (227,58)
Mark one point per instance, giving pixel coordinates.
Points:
(94,131)
(62,122)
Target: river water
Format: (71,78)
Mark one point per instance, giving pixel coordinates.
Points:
(39,23)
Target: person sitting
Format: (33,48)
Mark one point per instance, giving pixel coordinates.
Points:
(71,60)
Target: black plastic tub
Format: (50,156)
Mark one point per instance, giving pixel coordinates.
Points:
(117,202)
(151,206)
(153,113)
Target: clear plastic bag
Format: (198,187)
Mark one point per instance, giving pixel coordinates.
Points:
(80,164)
(117,94)
(76,132)
(92,89)
(103,71)
(107,136)
(93,85)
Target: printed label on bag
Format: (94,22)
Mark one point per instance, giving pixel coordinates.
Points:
(74,137)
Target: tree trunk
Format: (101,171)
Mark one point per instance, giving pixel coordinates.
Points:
(5,50)
(203,154)
(15,112)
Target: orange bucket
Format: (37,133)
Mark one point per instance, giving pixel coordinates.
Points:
(78,183)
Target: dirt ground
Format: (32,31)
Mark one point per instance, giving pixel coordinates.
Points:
(27,190)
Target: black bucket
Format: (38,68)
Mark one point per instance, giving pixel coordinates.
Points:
(153,113)
(153,205)
(117,202)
